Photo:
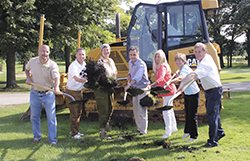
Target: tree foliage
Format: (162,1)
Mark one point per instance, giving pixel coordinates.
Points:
(18,32)
(19,21)
(225,27)
(243,16)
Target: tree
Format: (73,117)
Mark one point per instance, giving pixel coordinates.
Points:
(18,32)
(224,27)
(243,16)
(68,16)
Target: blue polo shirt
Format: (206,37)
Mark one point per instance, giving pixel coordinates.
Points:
(139,73)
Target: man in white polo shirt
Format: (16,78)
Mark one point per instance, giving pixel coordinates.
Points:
(76,79)
(44,72)
(208,74)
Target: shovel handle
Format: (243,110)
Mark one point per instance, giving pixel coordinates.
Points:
(46,88)
(178,93)
(177,71)
(125,96)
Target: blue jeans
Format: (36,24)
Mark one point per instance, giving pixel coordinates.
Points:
(36,100)
(213,101)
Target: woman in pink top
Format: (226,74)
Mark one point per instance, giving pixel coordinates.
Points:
(163,75)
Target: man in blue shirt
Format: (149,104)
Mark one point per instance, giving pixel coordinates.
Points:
(138,77)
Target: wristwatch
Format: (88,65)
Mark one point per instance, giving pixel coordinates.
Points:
(129,84)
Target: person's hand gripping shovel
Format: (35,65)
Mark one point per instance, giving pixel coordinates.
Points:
(60,93)
(170,102)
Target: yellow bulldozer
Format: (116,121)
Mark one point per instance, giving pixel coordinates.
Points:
(174,27)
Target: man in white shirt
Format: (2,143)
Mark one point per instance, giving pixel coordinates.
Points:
(76,79)
(208,74)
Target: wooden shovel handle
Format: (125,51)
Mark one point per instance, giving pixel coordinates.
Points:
(46,88)
(178,93)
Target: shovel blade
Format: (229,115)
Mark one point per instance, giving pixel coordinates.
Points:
(164,108)
(79,101)
(124,103)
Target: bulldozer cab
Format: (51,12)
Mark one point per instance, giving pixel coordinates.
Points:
(167,26)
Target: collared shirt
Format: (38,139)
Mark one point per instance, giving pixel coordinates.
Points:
(193,88)
(109,65)
(208,73)
(139,73)
(75,69)
(43,74)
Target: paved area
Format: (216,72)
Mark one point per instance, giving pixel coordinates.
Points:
(21,98)
(244,86)
(13,99)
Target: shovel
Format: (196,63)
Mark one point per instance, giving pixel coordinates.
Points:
(125,101)
(60,93)
(165,85)
(168,107)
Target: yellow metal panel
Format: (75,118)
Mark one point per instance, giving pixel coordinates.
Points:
(209,4)
(190,51)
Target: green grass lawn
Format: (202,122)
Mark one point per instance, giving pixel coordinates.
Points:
(16,137)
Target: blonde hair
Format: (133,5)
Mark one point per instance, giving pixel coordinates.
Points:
(199,44)
(181,56)
(163,60)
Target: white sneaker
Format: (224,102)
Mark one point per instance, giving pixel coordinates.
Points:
(77,133)
(185,135)
(80,134)
(77,136)
(165,136)
(174,130)
(191,139)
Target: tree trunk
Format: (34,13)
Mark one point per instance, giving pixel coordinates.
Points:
(248,47)
(67,57)
(230,52)
(10,63)
(24,66)
(221,60)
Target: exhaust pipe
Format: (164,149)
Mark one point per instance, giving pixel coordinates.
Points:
(118,29)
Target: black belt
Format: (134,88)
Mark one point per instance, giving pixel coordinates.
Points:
(212,89)
(42,91)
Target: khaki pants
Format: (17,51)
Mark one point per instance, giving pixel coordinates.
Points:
(104,101)
(140,114)
(75,111)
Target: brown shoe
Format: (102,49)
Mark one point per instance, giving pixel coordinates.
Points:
(35,140)
(105,136)
(108,128)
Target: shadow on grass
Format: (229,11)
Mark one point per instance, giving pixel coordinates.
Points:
(20,144)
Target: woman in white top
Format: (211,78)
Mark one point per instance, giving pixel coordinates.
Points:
(191,97)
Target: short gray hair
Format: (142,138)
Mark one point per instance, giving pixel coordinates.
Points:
(81,49)
(105,46)
(199,44)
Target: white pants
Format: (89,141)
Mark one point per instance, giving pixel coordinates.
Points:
(169,117)
(140,114)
